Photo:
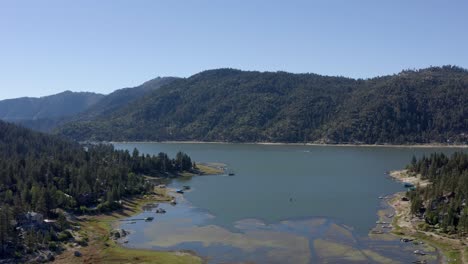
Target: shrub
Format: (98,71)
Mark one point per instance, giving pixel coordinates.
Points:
(53,246)
(64,235)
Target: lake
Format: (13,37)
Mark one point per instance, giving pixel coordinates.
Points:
(285,204)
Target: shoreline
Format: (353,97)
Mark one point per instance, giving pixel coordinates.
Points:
(405,225)
(427,247)
(103,248)
(430,145)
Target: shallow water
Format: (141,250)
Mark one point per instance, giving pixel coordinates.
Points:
(286,204)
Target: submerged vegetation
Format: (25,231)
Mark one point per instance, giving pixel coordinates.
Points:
(45,178)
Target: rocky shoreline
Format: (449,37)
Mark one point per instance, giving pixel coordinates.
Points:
(404,225)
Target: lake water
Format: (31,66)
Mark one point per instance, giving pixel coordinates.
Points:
(285,204)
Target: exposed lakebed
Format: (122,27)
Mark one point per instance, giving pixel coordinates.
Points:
(285,204)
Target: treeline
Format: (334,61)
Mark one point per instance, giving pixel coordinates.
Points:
(414,106)
(443,203)
(41,173)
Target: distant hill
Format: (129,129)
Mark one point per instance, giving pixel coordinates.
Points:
(422,106)
(45,113)
(119,98)
(53,106)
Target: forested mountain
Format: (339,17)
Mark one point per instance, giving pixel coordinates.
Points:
(46,113)
(43,172)
(414,106)
(443,203)
(119,98)
(429,105)
(48,107)
(222,104)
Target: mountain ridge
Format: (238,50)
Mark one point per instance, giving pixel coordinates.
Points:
(58,105)
(413,106)
(47,112)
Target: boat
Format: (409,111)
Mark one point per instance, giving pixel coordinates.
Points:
(180,191)
(160,211)
(419,252)
(149,219)
(186,187)
(381,223)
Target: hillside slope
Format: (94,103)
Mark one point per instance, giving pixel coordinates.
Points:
(121,97)
(224,105)
(46,113)
(423,106)
(429,105)
(53,106)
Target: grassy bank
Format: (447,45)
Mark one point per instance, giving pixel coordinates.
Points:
(95,229)
(102,249)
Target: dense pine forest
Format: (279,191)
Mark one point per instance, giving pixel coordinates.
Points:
(45,175)
(443,203)
(414,106)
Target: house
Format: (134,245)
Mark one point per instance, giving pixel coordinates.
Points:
(34,218)
(31,219)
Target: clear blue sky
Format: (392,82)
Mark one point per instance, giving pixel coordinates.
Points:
(50,46)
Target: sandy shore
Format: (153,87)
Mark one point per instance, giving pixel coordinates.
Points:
(403,217)
(300,144)
(403,176)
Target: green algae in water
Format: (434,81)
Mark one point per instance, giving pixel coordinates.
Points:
(327,250)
